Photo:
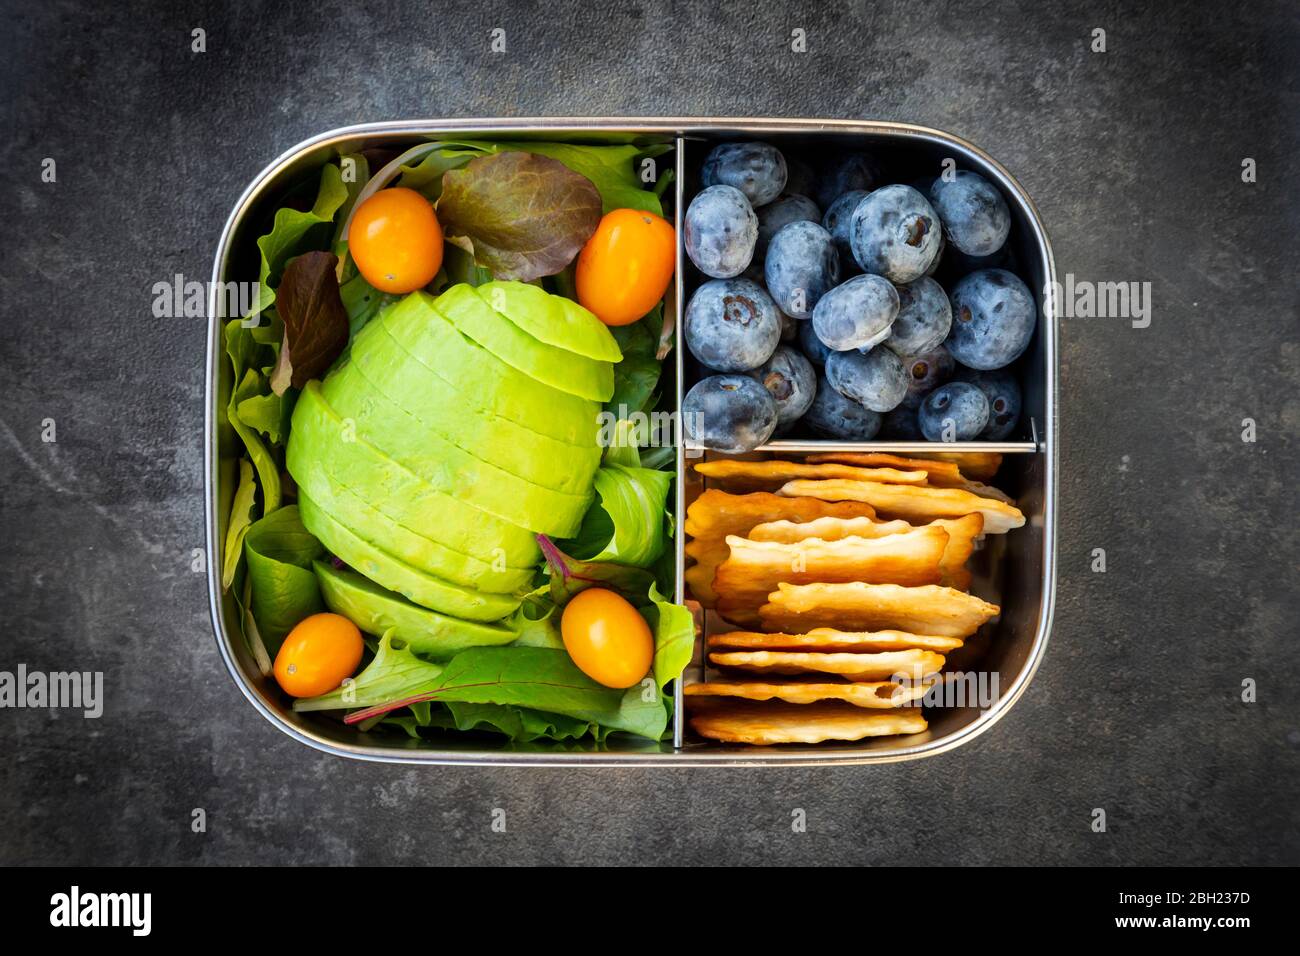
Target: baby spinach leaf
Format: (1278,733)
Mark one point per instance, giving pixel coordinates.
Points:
(280,552)
(522,215)
(393,679)
(316,323)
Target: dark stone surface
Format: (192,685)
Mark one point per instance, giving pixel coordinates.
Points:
(1134,160)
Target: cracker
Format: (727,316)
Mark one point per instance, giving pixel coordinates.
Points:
(715,514)
(829,639)
(875,695)
(941,611)
(755,568)
(739,475)
(912,663)
(749,722)
(913,503)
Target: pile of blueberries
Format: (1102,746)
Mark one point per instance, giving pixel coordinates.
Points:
(835,321)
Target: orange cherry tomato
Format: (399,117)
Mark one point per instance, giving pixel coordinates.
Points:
(625,267)
(607,638)
(318,654)
(396,241)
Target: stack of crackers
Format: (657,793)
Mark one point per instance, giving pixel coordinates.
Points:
(845,579)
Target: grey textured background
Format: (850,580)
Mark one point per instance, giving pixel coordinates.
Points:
(1134,160)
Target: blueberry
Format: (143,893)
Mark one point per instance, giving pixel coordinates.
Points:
(901,424)
(974,214)
(833,415)
(801,267)
(791,380)
(721,231)
(876,379)
(957,411)
(731,325)
(857,314)
(838,219)
(1003,393)
(789,328)
(813,347)
(993,319)
(756,169)
(731,413)
(926,372)
(895,233)
(784,211)
(841,172)
(924,317)
(938,256)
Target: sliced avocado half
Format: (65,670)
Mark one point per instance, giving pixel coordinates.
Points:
(403,438)
(485,380)
(376,610)
(377,363)
(425,590)
(421,553)
(552,319)
(318,436)
(567,371)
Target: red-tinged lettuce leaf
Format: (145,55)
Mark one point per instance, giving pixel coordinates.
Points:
(569,576)
(521,215)
(315,320)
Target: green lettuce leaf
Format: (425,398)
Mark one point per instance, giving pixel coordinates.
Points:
(280,552)
(626,524)
(241,516)
(674,630)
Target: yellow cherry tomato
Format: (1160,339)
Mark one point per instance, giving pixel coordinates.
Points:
(318,654)
(607,638)
(396,241)
(625,267)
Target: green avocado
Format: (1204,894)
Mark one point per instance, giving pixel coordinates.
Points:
(424,589)
(378,364)
(419,552)
(552,319)
(376,610)
(484,381)
(403,438)
(566,371)
(320,438)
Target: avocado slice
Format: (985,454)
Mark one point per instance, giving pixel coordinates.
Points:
(318,437)
(377,363)
(424,589)
(403,438)
(419,552)
(376,610)
(566,371)
(483,379)
(552,319)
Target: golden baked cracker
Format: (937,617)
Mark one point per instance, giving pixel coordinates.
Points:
(939,472)
(829,639)
(754,568)
(945,612)
(875,695)
(918,504)
(739,475)
(715,514)
(913,663)
(962,533)
(976,465)
(751,722)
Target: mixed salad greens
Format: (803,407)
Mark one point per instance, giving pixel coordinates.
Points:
(444,516)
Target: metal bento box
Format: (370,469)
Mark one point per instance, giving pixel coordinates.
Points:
(1018,570)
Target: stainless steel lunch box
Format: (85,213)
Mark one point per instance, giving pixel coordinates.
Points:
(1019,567)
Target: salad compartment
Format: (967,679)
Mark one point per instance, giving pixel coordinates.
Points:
(1016,570)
